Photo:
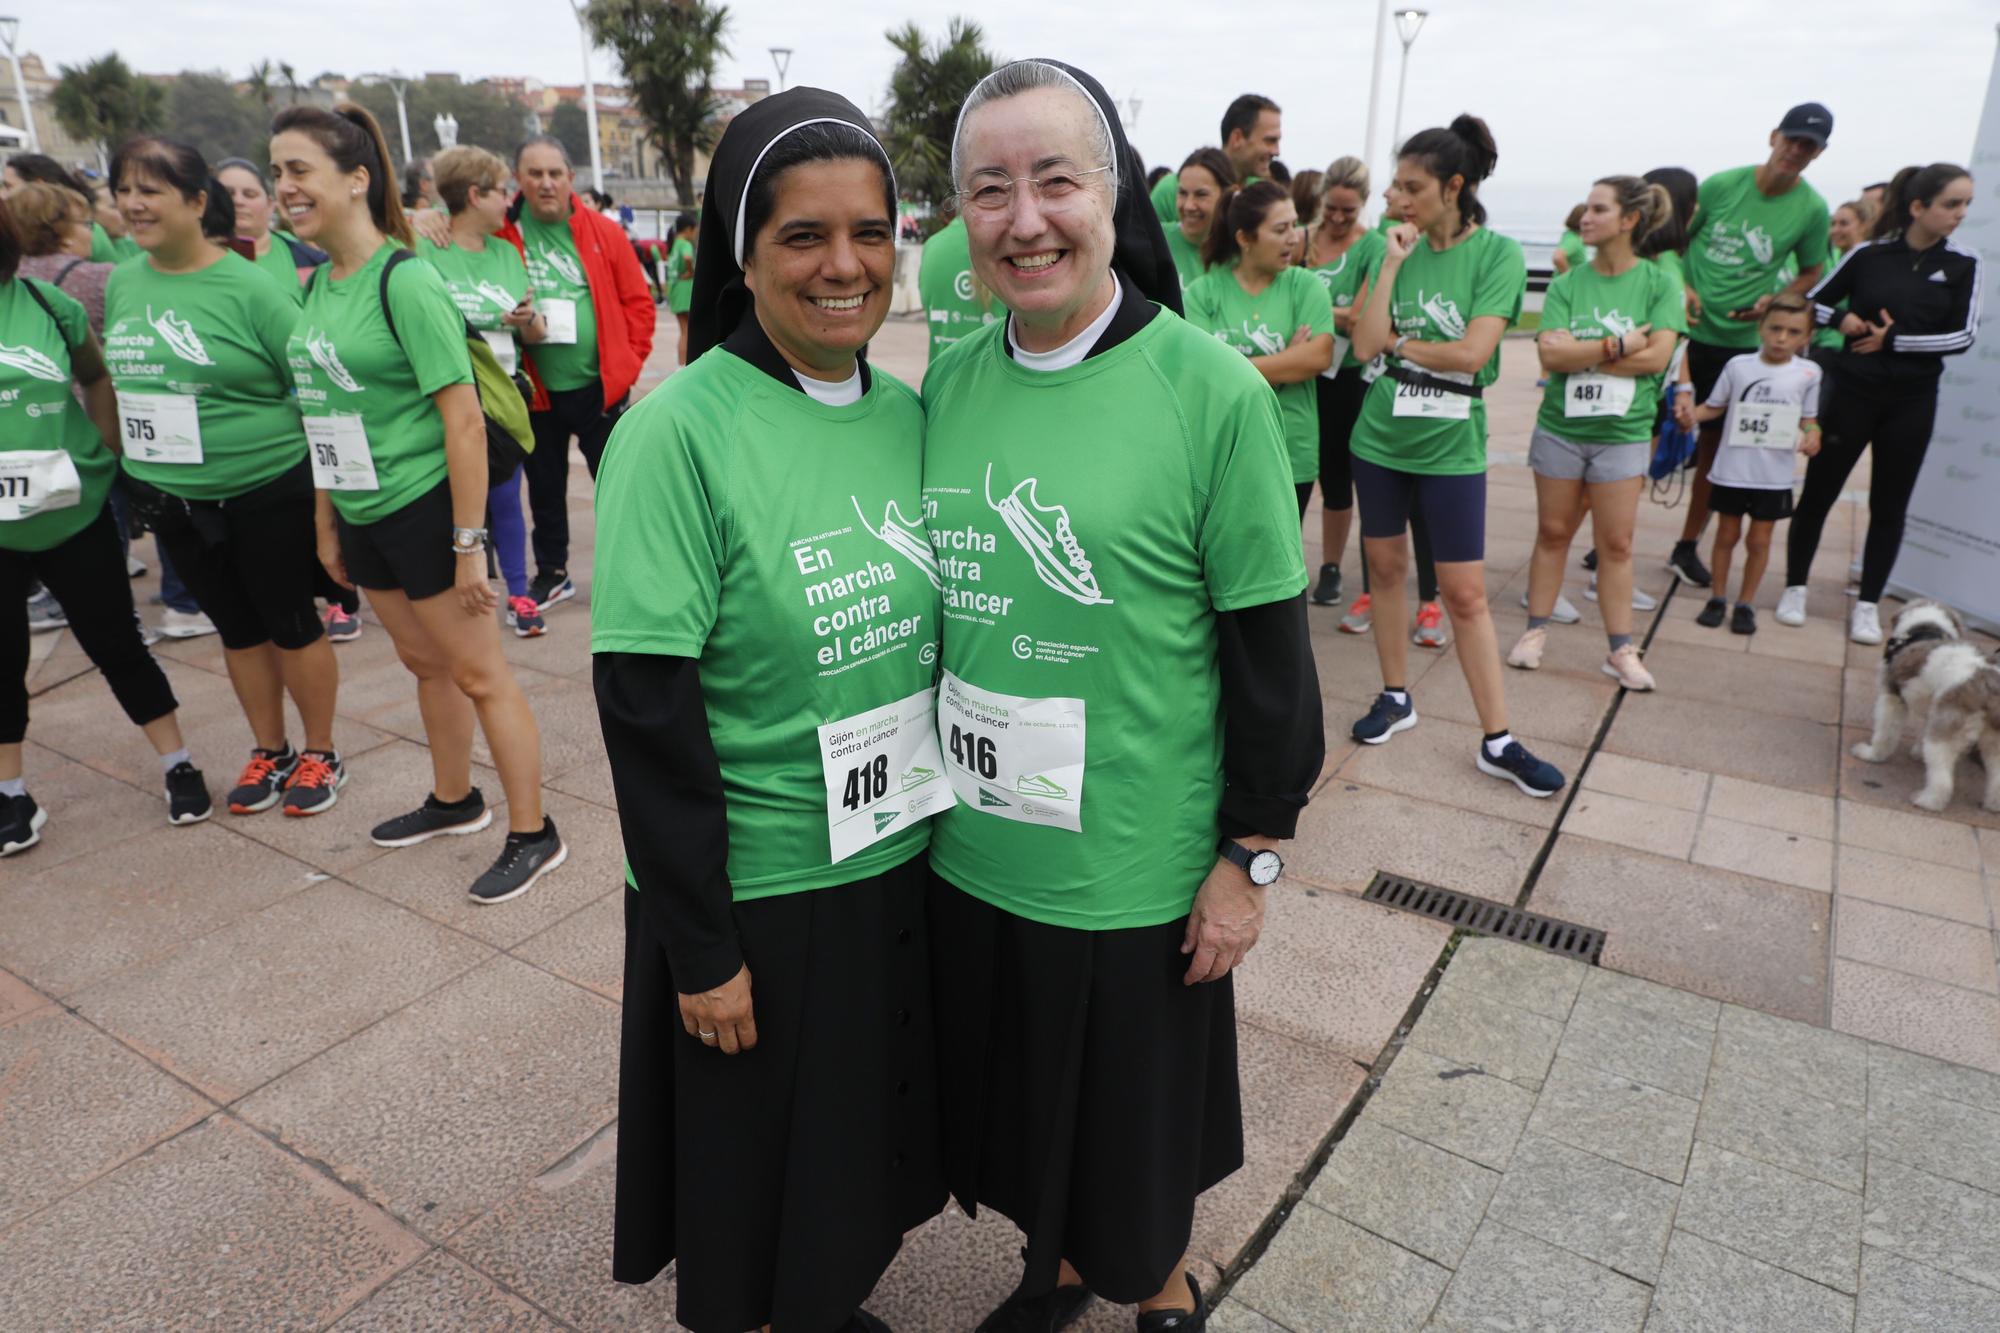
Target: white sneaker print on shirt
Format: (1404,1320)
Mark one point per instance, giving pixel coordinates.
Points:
(1761,244)
(1058,556)
(179,335)
(566,268)
(320,348)
(904,536)
(1443,312)
(31,362)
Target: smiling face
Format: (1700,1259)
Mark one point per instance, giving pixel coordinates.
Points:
(1844,230)
(821,267)
(546,181)
(1196,197)
(1270,247)
(1047,257)
(1252,152)
(1601,222)
(1340,210)
(1942,215)
(315,197)
(253,203)
(1791,155)
(156,216)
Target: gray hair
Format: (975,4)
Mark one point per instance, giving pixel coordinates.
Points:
(1026,76)
(542,141)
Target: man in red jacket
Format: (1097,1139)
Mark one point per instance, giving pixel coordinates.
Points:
(590,288)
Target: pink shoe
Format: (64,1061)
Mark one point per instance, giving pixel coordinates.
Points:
(1624,667)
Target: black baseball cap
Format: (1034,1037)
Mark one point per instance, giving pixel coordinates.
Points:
(1807,120)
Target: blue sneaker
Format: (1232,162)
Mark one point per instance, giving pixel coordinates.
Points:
(1536,777)
(1385,718)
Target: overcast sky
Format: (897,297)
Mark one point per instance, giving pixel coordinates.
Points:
(1572,91)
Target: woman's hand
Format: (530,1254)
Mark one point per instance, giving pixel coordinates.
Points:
(430,224)
(1302,334)
(1399,240)
(1852,325)
(1634,342)
(1693,306)
(1809,442)
(722,1017)
(331,558)
(1684,410)
(475,594)
(1878,335)
(1228,917)
(522,315)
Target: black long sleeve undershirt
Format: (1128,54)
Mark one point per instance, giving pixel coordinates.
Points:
(1273,734)
(671,810)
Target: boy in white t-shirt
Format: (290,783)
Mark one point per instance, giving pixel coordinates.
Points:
(1771,400)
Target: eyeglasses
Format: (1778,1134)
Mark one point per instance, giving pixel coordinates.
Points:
(992,192)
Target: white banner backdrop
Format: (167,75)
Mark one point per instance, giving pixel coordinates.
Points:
(1951,550)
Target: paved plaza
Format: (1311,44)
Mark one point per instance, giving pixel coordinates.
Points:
(262,1074)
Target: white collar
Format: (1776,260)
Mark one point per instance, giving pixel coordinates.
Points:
(830,393)
(1076,349)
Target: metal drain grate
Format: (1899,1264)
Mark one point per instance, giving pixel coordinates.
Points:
(1482,916)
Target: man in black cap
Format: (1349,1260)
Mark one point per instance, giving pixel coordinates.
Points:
(1757,231)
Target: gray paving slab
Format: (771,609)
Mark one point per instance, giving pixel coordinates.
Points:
(1642,1127)
(1232,1316)
(1607,1034)
(1541,983)
(1505,1041)
(1830,1066)
(1405,1190)
(1776,1123)
(587,947)
(1947,1139)
(1588,1205)
(1898,1296)
(442,1293)
(1924,1076)
(1654,1000)
(1709,1288)
(1802,1225)
(1453,1106)
(1934,1221)
(1509,1281)
(1330,1276)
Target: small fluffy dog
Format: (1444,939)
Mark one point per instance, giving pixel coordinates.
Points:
(1929,669)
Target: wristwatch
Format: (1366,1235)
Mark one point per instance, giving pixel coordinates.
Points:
(1396,350)
(1262,867)
(465,541)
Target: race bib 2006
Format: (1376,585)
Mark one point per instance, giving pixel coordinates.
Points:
(1014,757)
(1431,402)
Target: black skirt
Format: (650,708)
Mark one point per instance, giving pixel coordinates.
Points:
(1089,1095)
(782,1179)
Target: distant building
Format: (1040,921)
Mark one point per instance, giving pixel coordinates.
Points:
(55,141)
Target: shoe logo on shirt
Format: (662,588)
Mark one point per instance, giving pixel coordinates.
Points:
(1613,323)
(1057,555)
(904,536)
(1443,312)
(1761,244)
(499,296)
(1036,784)
(31,362)
(179,335)
(1267,342)
(566,267)
(320,347)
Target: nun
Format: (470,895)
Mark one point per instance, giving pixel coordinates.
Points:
(1128,711)
(764,632)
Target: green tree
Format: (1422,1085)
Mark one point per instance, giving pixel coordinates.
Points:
(208,112)
(569,124)
(105,103)
(929,85)
(262,85)
(668,50)
(485,117)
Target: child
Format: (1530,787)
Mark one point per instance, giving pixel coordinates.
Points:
(1771,399)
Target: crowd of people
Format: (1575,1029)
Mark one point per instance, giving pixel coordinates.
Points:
(859,646)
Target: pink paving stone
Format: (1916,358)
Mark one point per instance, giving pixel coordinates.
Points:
(1925,946)
(1890,785)
(1916,1014)
(18,999)
(587,948)
(1764,852)
(1782,751)
(87,810)
(441,1293)
(1351,831)
(1915,886)
(1659,829)
(1701,675)
(1908,832)
(1643,780)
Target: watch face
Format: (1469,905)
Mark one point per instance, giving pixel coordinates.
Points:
(1265,868)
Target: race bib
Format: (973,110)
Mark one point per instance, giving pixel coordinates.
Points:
(502,343)
(35,481)
(1765,426)
(1432,403)
(883,773)
(1017,758)
(340,457)
(160,427)
(561,318)
(1590,393)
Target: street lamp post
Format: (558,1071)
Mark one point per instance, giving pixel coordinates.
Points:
(1131,113)
(10,28)
(400,86)
(1375,84)
(1409,22)
(589,96)
(781,56)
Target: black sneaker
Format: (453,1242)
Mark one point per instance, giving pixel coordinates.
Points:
(525,858)
(315,787)
(263,780)
(1385,719)
(1049,1312)
(21,823)
(1743,620)
(1177,1321)
(1326,592)
(1590,560)
(1536,777)
(1711,615)
(1687,563)
(188,801)
(551,586)
(433,819)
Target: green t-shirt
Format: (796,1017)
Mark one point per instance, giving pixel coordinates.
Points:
(1262,325)
(737,524)
(1742,239)
(945,285)
(1187,255)
(1572,249)
(485,285)
(1438,294)
(346,363)
(1343,279)
(556,270)
(214,340)
(680,276)
(108,249)
(1593,307)
(37,412)
(1167,200)
(1675,267)
(1090,523)
(277,261)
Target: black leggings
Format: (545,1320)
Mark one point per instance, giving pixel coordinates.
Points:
(1853,416)
(87,575)
(1340,401)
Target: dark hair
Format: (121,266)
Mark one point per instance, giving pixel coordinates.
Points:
(828,141)
(218,214)
(1306,194)
(41,167)
(1912,185)
(1153,176)
(685,222)
(1635,194)
(1464,149)
(1280,172)
(541,141)
(1216,163)
(1878,185)
(10,243)
(1672,234)
(414,172)
(1243,112)
(1575,217)
(1787,303)
(244,164)
(1241,209)
(352,138)
(168,161)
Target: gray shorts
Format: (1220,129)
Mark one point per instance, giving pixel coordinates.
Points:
(1565,460)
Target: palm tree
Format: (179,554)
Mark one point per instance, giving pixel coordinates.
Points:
(929,85)
(105,103)
(262,84)
(668,50)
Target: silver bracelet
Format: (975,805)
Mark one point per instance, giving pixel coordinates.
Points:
(465,541)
